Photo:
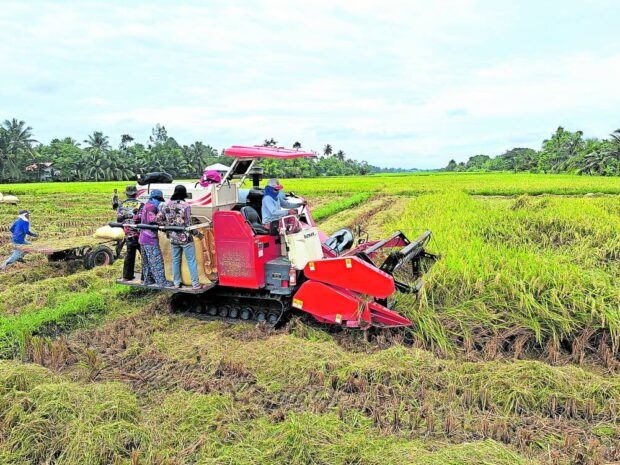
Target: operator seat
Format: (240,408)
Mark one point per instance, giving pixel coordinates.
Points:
(251,216)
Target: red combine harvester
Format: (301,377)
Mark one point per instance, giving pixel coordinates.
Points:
(262,272)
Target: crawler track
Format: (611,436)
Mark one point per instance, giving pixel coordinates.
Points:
(234,306)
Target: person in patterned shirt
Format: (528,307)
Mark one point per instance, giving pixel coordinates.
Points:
(177,212)
(128,213)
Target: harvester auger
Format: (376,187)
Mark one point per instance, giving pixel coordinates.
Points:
(254,272)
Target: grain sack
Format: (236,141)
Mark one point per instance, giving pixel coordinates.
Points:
(108,232)
(205,258)
(8,199)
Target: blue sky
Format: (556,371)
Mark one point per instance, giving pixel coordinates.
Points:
(410,84)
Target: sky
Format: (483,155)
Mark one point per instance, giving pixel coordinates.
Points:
(400,84)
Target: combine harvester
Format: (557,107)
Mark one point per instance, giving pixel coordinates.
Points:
(255,273)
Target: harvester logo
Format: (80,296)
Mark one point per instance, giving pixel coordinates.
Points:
(338,318)
(348,263)
(297,303)
(311,265)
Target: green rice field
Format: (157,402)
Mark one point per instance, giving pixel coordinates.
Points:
(513,357)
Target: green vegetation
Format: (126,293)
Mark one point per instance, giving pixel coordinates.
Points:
(340,205)
(23,159)
(564,152)
(512,358)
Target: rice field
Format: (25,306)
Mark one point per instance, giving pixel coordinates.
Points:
(513,357)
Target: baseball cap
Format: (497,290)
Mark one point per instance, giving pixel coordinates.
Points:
(273,182)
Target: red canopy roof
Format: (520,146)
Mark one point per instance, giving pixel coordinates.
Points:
(258,151)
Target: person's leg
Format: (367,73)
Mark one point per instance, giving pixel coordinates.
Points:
(147,275)
(177,250)
(190,256)
(157,267)
(17,255)
(130,259)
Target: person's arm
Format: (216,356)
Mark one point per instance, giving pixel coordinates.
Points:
(29,232)
(285,203)
(274,212)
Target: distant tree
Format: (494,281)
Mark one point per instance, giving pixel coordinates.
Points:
(477,163)
(159,135)
(327,150)
(340,155)
(451,166)
(270,142)
(16,148)
(126,140)
(559,149)
(297,145)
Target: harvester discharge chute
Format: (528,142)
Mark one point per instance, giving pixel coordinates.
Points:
(260,272)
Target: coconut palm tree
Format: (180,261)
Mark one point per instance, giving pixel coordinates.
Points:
(327,150)
(16,141)
(97,142)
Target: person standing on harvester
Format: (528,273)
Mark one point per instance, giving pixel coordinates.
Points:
(128,213)
(177,212)
(274,204)
(20,229)
(153,270)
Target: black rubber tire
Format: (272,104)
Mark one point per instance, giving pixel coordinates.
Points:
(101,255)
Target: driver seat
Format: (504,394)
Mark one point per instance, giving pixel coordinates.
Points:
(251,216)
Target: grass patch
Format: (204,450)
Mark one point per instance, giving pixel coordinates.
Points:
(334,207)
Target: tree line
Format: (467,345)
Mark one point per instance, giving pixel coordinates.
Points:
(563,152)
(24,159)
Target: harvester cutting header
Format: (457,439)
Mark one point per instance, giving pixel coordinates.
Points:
(254,269)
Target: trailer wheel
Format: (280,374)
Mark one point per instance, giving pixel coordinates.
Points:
(100,256)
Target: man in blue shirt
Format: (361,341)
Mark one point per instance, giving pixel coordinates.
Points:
(275,205)
(20,229)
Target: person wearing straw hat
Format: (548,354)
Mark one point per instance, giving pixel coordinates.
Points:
(20,229)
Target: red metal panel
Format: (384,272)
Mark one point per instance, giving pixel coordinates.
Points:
(330,305)
(334,305)
(351,273)
(241,255)
(265,152)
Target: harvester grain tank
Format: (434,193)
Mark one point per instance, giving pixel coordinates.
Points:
(262,272)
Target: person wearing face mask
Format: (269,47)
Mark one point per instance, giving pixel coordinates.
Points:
(274,204)
(20,229)
(153,271)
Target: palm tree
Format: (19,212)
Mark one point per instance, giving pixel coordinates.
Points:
(340,155)
(327,150)
(96,162)
(270,142)
(297,145)
(97,142)
(96,167)
(15,141)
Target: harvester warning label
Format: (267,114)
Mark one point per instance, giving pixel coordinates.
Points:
(338,318)
(311,265)
(348,263)
(297,303)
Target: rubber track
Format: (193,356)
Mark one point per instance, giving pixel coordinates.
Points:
(273,307)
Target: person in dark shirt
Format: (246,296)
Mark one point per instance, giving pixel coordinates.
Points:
(115,200)
(20,229)
(128,213)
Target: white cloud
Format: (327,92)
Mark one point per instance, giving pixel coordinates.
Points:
(402,83)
